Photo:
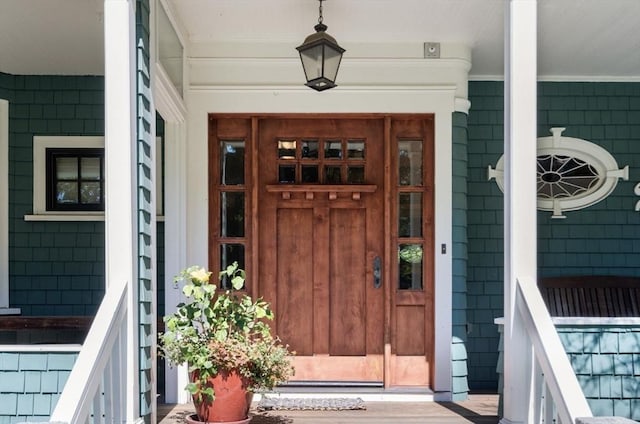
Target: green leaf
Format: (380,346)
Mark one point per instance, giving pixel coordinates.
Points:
(187,290)
(192,388)
(237,282)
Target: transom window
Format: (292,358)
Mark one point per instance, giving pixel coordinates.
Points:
(75,179)
(321,161)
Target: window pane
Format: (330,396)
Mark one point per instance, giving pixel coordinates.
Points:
(67,168)
(309,174)
(410,267)
(310,149)
(410,215)
(66,192)
(332,175)
(355,174)
(90,193)
(410,162)
(90,168)
(230,253)
(232,214)
(287,149)
(333,149)
(232,162)
(287,173)
(355,149)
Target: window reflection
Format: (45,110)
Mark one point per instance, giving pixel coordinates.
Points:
(232,214)
(410,215)
(230,253)
(232,162)
(410,267)
(410,162)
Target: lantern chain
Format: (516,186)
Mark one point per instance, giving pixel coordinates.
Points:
(320,18)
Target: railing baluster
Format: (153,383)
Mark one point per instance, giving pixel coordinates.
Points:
(562,391)
(94,391)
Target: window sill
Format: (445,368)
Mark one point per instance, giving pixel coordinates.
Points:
(73,216)
(10,311)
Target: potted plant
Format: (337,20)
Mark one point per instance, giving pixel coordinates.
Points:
(225,339)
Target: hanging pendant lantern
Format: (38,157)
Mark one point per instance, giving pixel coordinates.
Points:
(320,55)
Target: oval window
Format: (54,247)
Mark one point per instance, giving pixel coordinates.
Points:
(572,173)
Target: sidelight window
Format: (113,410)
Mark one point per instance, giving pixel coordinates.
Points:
(410,208)
(232,205)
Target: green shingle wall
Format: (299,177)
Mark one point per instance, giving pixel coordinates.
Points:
(607,363)
(146,231)
(55,268)
(601,239)
(459,256)
(485,232)
(31,382)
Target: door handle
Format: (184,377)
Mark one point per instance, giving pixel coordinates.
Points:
(377,273)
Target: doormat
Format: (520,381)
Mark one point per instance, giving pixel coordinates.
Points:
(310,404)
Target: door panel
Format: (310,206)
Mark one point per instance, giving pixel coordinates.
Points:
(322,245)
(348,312)
(295,299)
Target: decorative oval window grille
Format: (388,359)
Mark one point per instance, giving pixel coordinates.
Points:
(572,173)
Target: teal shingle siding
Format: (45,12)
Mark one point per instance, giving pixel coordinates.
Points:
(484,231)
(459,257)
(609,377)
(147,232)
(31,382)
(601,239)
(55,268)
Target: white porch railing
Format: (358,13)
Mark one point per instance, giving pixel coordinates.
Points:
(95,391)
(556,393)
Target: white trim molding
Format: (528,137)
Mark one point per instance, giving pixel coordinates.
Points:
(599,173)
(40,146)
(259,84)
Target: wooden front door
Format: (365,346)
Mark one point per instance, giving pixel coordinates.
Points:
(321,243)
(332,217)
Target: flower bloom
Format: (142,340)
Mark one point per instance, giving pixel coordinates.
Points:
(200,275)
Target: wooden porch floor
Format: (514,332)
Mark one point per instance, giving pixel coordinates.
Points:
(478,409)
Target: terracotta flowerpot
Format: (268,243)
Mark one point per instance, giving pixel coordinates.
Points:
(232,400)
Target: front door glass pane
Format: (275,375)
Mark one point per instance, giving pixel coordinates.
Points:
(332,175)
(410,215)
(287,149)
(355,175)
(230,253)
(410,267)
(333,149)
(355,149)
(287,174)
(232,214)
(410,162)
(309,174)
(232,162)
(310,149)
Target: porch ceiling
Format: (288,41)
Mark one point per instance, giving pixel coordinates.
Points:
(578,39)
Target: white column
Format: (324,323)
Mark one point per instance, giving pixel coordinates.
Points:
(120,197)
(520,199)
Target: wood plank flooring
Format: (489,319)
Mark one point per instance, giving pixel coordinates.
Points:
(478,409)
